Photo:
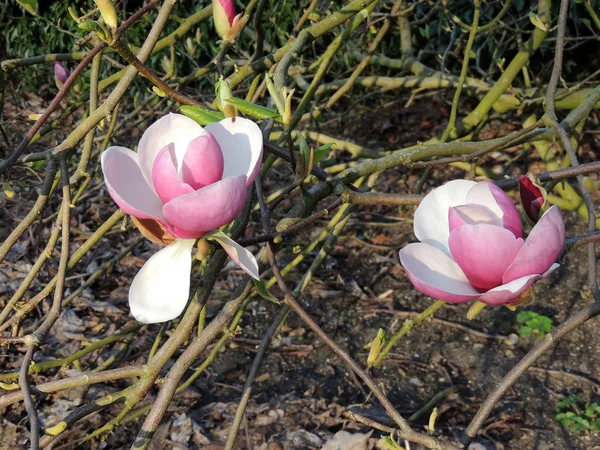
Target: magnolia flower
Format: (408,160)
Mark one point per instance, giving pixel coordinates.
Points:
(183,183)
(472,248)
(228,25)
(60,74)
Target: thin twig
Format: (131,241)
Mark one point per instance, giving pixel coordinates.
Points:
(451,127)
(14,156)
(290,300)
(380,198)
(553,175)
(69,383)
(38,335)
(34,213)
(34,423)
(121,47)
(551,116)
(291,230)
(525,363)
(219,59)
(247,392)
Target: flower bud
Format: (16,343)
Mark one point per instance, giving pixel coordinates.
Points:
(190,47)
(108,12)
(223,94)
(60,74)
(167,66)
(222,91)
(533,197)
(203,250)
(376,347)
(229,7)
(228,25)
(223,15)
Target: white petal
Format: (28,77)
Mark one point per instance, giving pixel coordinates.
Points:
(481,195)
(160,290)
(236,252)
(435,274)
(431,217)
(241,142)
(175,128)
(552,268)
(127,185)
(498,204)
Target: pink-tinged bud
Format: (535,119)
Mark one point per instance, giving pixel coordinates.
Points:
(533,197)
(60,74)
(228,25)
(221,16)
(229,7)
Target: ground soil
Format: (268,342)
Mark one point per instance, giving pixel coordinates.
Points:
(303,390)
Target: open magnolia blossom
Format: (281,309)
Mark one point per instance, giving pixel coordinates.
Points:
(472,247)
(184,182)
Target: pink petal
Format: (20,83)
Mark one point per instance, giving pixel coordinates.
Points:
(484,252)
(499,205)
(229,7)
(172,128)
(468,215)
(434,273)
(164,176)
(60,74)
(544,244)
(203,162)
(127,186)
(509,292)
(208,208)
(241,142)
(184,234)
(431,216)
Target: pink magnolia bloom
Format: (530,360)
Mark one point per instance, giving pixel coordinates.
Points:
(191,180)
(60,74)
(472,248)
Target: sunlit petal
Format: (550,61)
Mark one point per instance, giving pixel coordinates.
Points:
(160,290)
(127,186)
(431,216)
(172,128)
(208,208)
(435,274)
(242,143)
(542,247)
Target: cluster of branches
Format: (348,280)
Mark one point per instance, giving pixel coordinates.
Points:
(71,168)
